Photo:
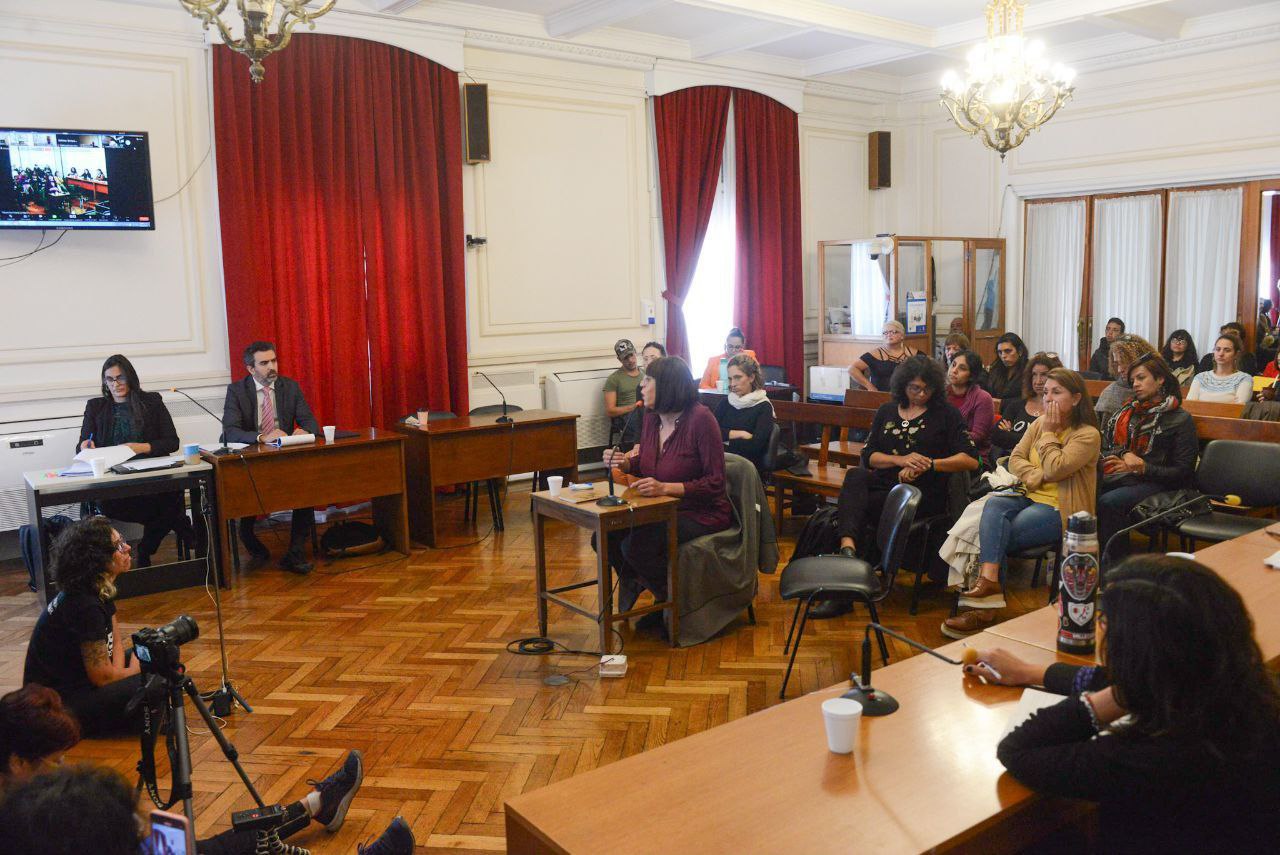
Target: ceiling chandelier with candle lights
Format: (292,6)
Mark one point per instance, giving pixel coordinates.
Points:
(257,16)
(1009,88)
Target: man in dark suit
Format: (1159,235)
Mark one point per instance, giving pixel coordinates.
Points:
(262,407)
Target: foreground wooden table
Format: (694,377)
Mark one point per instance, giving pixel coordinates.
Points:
(924,777)
(262,479)
(602,521)
(476,448)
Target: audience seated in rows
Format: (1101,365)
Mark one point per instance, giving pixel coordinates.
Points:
(1056,463)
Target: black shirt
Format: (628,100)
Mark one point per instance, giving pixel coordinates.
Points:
(938,432)
(54,658)
(756,420)
(1154,794)
(1015,412)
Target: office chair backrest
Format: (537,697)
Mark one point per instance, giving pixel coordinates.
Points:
(895,528)
(1250,470)
(770,460)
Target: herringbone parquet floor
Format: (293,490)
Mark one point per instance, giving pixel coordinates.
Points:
(406,660)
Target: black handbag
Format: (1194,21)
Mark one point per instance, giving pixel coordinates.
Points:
(1158,503)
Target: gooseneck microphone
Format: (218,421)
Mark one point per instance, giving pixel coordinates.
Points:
(875,701)
(504,418)
(1228,499)
(222,436)
(612,501)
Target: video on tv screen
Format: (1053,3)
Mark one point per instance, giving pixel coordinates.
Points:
(60,179)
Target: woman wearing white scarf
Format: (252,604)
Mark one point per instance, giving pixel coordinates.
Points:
(746,414)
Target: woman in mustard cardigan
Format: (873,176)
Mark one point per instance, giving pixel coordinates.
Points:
(1057,464)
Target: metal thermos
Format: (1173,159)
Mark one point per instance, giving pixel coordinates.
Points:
(1078,586)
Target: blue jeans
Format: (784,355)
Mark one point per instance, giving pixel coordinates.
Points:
(1013,523)
(1113,513)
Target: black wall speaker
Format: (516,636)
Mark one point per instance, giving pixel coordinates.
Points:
(878,160)
(475,122)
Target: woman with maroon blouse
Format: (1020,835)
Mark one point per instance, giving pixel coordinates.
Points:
(680,454)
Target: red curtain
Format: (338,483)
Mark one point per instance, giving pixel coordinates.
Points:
(340,189)
(768,286)
(690,129)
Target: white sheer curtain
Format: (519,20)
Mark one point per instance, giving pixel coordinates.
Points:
(870,291)
(1202,262)
(1126,265)
(708,307)
(1053,278)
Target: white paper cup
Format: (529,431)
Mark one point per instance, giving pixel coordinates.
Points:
(842,717)
(329,431)
(555,483)
(99,465)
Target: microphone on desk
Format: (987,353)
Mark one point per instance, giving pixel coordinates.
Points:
(612,501)
(504,418)
(1228,499)
(875,701)
(222,437)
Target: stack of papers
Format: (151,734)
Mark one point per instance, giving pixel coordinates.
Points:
(112,454)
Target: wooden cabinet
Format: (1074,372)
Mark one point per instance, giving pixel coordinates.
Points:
(929,284)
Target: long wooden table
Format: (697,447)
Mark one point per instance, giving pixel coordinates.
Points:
(476,448)
(924,778)
(262,479)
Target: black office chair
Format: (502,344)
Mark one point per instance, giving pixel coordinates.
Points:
(769,463)
(1250,470)
(929,533)
(823,577)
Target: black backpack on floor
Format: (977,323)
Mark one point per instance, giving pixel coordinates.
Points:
(820,535)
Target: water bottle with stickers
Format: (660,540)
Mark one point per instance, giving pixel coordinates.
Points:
(1078,586)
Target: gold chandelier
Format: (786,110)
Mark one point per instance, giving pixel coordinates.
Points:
(1008,89)
(257,16)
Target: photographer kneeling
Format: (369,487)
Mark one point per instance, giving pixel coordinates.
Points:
(75,648)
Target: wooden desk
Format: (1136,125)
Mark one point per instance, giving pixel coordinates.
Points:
(602,521)
(262,479)
(48,488)
(924,777)
(476,448)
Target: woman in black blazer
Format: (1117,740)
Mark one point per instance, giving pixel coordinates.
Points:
(126,415)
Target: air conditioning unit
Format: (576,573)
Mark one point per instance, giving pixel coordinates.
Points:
(33,451)
(520,385)
(582,392)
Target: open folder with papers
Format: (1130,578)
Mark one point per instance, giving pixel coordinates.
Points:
(112,454)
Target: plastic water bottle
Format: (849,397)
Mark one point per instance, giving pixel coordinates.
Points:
(1078,586)
(723,383)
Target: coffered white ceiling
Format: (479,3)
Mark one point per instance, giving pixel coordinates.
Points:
(829,39)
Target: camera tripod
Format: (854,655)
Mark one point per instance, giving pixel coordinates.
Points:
(225,697)
(170,708)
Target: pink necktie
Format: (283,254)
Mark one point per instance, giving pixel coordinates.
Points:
(268,412)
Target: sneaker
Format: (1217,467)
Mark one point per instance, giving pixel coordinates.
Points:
(968,623)
(984,594)
(396,840)
(337,791)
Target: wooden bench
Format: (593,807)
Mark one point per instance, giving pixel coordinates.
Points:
(842,450)
(1214,408)
(823,478)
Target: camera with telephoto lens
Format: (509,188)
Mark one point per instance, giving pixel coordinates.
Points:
(159,650)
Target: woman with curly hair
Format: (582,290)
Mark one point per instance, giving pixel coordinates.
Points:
(1124,352)
(76,648)
(1191,759)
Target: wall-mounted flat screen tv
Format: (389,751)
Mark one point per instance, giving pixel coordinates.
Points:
(63,179)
